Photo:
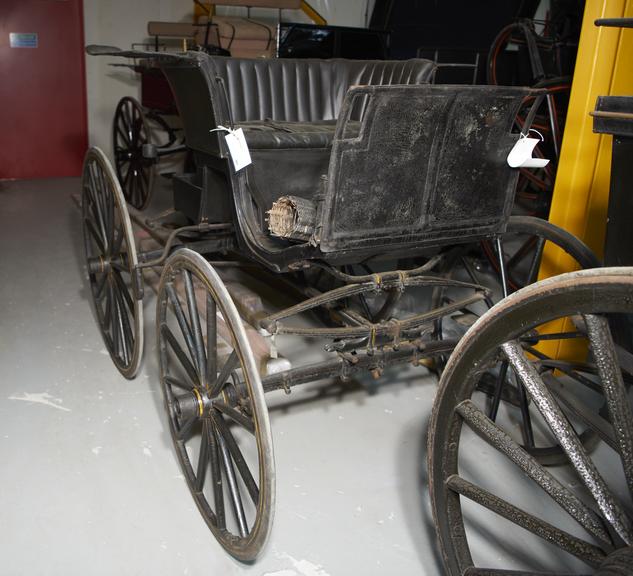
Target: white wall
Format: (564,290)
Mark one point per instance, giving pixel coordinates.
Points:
(117,23)
(122,22)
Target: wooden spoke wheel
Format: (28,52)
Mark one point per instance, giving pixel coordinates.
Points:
(215,404)
(497,510)
(111,259)
(525,244)
(130,131)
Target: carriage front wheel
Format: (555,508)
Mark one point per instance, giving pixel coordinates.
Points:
(215,404)
(496,508)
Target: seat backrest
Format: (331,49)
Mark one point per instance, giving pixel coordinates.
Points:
(213,90)
(305,90)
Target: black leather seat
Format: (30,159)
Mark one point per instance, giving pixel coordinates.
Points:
(294,104)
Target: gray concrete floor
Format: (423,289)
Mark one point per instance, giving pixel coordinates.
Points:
(90,483)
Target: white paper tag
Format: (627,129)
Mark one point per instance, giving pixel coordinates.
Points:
(238,148)
(521,154)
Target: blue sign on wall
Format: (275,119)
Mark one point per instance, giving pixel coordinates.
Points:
(23,39)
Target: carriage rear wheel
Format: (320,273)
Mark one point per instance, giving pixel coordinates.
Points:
(130,131)
(215,404)
(490,495)
(111,260)
(526,244)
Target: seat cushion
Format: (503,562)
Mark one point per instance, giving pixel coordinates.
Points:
(273,134)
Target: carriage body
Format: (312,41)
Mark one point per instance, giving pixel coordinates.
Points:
(388,163)
(379,165)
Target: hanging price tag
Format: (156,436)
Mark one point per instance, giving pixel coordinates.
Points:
(521,154)
(238,148)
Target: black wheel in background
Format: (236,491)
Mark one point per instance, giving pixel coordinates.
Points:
(111,260)
(130,131)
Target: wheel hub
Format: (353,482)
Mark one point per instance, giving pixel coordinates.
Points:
(192,403)
(197,402)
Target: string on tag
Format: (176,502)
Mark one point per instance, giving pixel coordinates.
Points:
(220,128)
(238,148)
(532,130)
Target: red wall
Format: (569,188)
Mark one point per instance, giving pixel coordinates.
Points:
(43,130)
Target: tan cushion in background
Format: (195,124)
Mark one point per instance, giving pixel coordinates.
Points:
(244,28)
(173,29)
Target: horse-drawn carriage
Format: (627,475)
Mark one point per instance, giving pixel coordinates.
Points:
(360,166)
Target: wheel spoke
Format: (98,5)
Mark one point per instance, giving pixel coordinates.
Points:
(180,354)
(124,290)
(615,393)
(121,327)
(108,199)
(570,369)
(185,430)
(203,458)
(212,341)
(141,179)
(127,123)
(125,137)
(580,410)
(114,329)
(216,474)
(521,253)
(230,365)
(182,321)
(100,206)
(238,457)
(95,236)
(526,419)
(124,320)
(552,336)
(235,415)
(585,551)
(174,382)
(234,491)
(96,193)
(501,382)
(195,325)
(100,285)
(498,439)
(569,441)
(108,305)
